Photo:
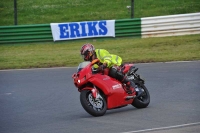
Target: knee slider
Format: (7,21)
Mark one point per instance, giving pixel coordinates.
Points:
(119,76)
(112,72)
(116,74)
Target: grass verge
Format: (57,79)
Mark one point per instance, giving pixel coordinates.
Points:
(59,54)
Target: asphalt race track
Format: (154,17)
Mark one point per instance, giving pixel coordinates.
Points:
(46,101)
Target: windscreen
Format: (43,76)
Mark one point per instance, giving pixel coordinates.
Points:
(82,65)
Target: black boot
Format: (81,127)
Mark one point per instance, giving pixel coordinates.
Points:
(130,87)
(134,88)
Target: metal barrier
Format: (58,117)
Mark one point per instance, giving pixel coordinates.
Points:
(128,27)
(42,32)
(171,25)
(25,33)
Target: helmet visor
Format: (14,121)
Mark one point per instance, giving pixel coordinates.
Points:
(85,56)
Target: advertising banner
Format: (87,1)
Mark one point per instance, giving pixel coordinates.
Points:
(80,30)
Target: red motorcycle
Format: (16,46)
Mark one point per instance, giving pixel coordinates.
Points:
(99,92)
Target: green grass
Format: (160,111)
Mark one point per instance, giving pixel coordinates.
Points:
(59,54)
(48,11)
(66,53)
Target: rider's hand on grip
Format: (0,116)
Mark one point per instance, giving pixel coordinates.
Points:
(102,67)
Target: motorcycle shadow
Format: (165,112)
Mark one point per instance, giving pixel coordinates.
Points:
(126,109)
(118,111)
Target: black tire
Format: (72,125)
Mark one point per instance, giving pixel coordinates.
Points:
(85,98)
(144,100)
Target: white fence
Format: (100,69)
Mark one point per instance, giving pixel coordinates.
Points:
(172,25)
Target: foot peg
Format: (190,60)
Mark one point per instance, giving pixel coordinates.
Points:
(129,91)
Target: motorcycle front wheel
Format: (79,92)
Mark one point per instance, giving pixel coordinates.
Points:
(95,107)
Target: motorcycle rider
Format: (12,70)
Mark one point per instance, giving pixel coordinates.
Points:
(111,61)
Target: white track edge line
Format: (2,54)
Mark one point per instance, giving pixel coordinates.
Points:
(163,128)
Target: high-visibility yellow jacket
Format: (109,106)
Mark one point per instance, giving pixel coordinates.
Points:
(105,57)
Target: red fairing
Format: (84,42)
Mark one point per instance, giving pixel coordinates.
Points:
(112,88)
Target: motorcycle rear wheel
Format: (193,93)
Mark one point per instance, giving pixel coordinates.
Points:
(144,100)
(94,108)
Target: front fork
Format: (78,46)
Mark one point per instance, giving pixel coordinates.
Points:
(95,92)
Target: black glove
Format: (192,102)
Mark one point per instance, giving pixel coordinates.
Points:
(102,67)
